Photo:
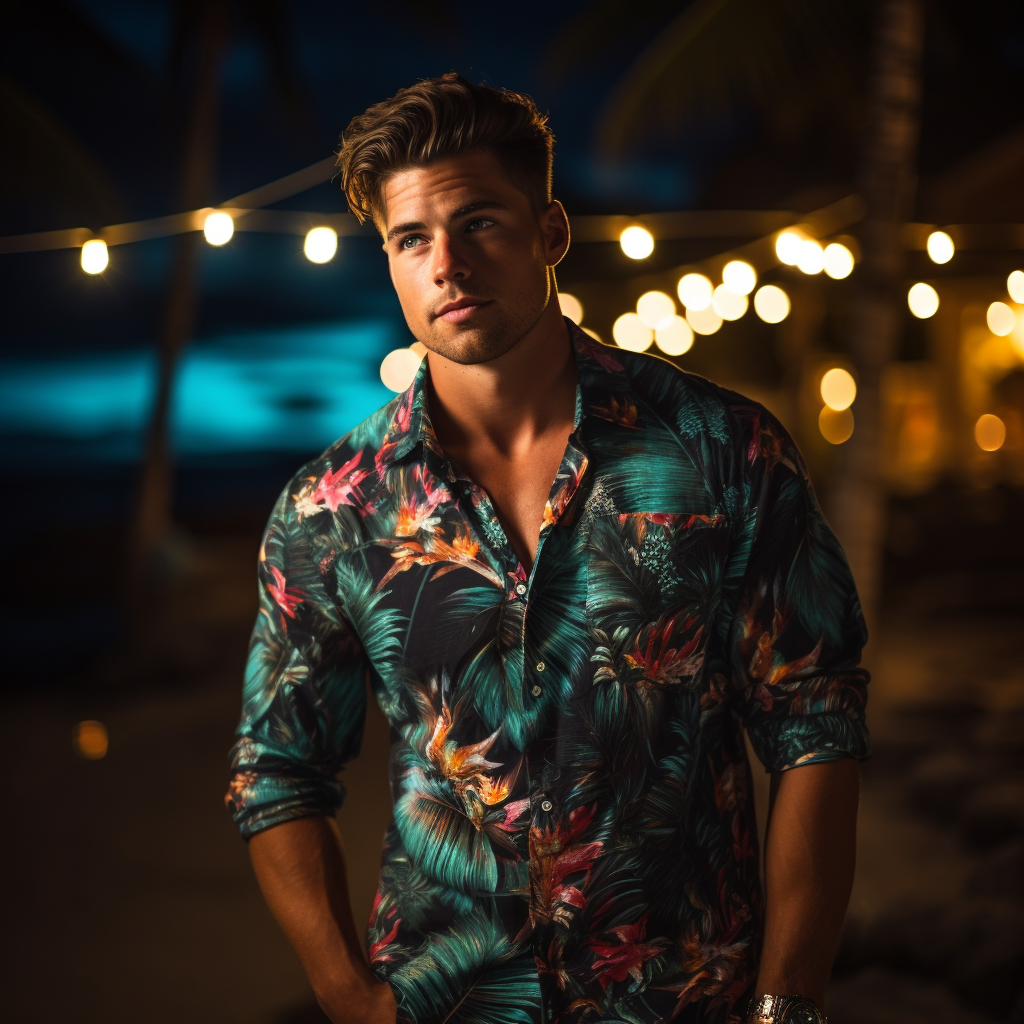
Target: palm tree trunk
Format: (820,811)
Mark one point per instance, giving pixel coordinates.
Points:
(888,182)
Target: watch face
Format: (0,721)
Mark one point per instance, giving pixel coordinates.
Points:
(802,1015)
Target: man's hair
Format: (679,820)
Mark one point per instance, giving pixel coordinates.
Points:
(440,117)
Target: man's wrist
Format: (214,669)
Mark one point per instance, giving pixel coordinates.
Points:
(790,1009)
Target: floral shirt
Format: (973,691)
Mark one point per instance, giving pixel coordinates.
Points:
(573,837)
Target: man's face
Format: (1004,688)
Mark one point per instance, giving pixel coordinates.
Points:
(468,257)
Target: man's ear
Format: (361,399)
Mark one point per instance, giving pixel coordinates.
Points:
(555,228)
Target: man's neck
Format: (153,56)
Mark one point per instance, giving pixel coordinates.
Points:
(507,403)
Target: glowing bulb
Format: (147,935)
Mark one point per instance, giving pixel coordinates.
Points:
(923,300)
(631,333)
(787,247)
(419,348)
(1000,319)
(739,277)
(704,321)
(835,427)
(1015,285)
(838,261)
(940,247)
(674,336)
(321,244)
(653,307)
(771,304)
(637,242)
(218,227)
(728,305)
(694,291)
(571,307)
(90,740)
(811,258)
(838,389)
(989,432)
(95,256)
(399,368)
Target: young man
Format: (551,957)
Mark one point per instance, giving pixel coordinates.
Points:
(569,574)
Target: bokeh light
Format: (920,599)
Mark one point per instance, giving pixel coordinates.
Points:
(838,389)
(95,256)
(739,277)
(703,321)
(90,740)
(1000,319)
(399,368)
(728,305)
(989,432)
(695,291)
(787,247)
(923,300)
(811,258)
(940,247)
(835,427)
(630,332)
(838,261)
(592,333)
(1015,285)
(218,227)
(653,307)
(571,307)
(637,242)
(771,304)
(321,244)
(674,336)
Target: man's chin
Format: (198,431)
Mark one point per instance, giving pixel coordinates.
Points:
(473,346)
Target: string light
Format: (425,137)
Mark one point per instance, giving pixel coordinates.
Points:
(218,227)
(95,256)
(739,277)
(989,432)
(637,242)
(923,300)
(1015,285)
(631,333)
(940,247)
(674,336)
(838,389)
(728,305)
(321,244)
(399,368)
(571,307)
(838,261)
(771,304)
(811,258)
(654,307)
(695,291)
(835,427)
(1000,319)
(703,321)
(90,740)
(787,247)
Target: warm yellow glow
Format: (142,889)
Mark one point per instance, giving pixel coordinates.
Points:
(95,256)
(674,336)
(838,261)
(321,244)
(637,242)
(771,304)
(1000,319)
(694,291)
(923,300)
(940,247)
(989,432)
(1015,285)
(739,277)
(398,368)
(727,304)
(838,389)
(571,307)
(630,332)
(592,333)
(835,427)
(218,227)
(653,307)
(90,740)
(788,246)
(703,321)
(419,348)
(811,258)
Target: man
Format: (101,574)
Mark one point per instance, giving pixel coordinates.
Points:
(569,574)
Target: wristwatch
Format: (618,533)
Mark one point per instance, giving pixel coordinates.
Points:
(784,1010)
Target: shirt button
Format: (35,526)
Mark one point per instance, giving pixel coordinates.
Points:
(536,691)
(546,805)
(541,666)
(520,589)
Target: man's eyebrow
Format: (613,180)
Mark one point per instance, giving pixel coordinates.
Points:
(462,211)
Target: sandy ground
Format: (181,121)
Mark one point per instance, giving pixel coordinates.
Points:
(130,894)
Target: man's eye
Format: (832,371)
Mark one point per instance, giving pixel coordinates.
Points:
(480,222)
(410,242)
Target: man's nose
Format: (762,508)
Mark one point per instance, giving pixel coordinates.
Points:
(449,261)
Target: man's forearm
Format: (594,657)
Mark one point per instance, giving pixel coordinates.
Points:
(810,852)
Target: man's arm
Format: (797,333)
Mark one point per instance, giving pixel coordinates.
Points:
(810,850)
(300,866)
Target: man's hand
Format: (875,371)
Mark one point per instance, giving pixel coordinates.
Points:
(374,1004)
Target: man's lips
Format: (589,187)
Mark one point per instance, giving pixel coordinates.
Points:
(456,312)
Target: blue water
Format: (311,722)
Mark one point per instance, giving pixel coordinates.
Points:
(290,389)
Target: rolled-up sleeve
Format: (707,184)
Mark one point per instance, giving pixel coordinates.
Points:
(304,696)
(797,631)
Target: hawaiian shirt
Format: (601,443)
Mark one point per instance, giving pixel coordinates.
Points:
(573,837)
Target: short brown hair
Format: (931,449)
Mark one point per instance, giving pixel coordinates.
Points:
(439,117)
